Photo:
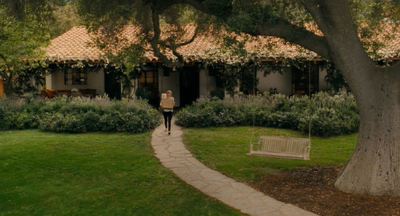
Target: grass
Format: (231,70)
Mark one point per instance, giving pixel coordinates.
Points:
(225,149)
(91,174)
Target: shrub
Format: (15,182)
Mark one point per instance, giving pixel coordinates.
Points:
(332,115)
(78,115)
(328,115)
(23,120)
(90,120)
(218,93)
(111,121)
(4,121)
(16,114)
(62,123)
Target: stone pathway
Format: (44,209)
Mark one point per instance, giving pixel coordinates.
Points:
(172,153)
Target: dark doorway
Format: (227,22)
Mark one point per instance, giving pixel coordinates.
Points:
(189,85)
(305,78)
(112,84)
(148,85)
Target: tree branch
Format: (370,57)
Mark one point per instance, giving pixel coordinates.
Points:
(196,32)
(155,41)
(174,47)
(295,34)
(335,20)
(174,51)
(278,28)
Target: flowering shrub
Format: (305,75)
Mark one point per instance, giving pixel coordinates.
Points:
(77,115)
(328,115)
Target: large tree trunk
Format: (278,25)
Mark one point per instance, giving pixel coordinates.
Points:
(375,166)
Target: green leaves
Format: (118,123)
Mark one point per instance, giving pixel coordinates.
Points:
(329,115)
(26,28)
(20,40)
(20,43)
(108,13)
(78,115)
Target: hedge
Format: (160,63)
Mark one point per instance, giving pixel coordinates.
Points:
(329,114)
(78,115)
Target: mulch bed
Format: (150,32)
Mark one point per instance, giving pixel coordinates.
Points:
(313,190)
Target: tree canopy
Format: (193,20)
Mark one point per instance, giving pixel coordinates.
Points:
(281,18)
(25,28)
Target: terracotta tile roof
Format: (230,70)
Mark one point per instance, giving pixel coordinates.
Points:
(73,45)
(385,43)
(78,44)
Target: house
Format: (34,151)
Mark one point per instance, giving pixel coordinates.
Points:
(203,58)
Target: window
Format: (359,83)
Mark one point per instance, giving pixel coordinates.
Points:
(148,79)
(305,78)
(79,77)
(75,76)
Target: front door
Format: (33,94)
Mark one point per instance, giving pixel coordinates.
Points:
(189,85)
(148,85)
(112,84)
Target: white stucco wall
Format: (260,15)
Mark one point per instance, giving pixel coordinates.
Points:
(323,85)
(170,82)
(48,81)
(207,83)
(281,81)
(95,80)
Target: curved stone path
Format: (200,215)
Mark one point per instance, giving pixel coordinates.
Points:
(172,153)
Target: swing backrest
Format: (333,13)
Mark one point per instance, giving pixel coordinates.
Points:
(282,147)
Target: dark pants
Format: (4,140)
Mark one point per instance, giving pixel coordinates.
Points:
(167,119)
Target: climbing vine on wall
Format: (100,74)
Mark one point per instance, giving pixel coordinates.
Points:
(335,78)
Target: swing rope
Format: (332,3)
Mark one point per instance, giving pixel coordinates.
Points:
(309,106)
(253,136)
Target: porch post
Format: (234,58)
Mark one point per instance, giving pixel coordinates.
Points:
(1,87)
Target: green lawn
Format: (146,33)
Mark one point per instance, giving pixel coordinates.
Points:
(224,149)
(93,174)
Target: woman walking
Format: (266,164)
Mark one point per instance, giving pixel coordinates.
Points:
(167,105)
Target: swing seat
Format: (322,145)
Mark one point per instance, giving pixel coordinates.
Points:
(282,147)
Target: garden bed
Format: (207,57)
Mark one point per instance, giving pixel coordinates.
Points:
(78,115)
(313,189)
(329,115)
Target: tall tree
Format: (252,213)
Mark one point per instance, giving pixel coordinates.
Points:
(375,165)
(24,29)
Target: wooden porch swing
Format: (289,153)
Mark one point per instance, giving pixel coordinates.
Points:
(282,147)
